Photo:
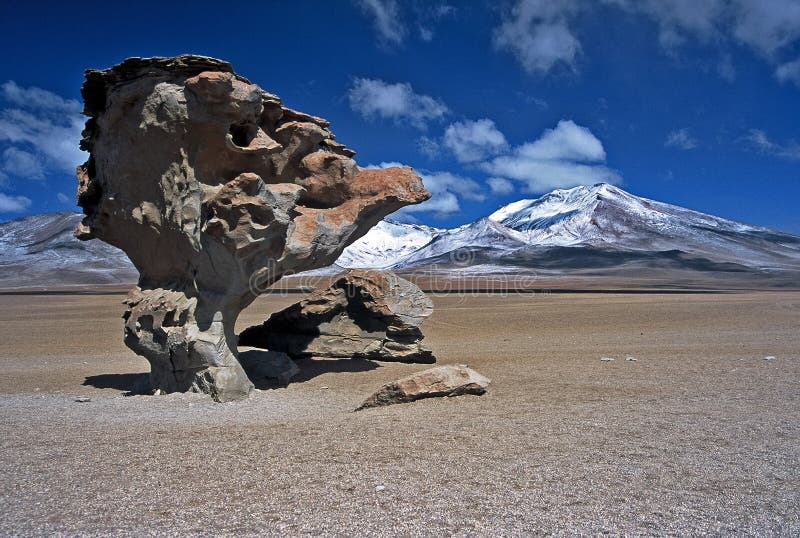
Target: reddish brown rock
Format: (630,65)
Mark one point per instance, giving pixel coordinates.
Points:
(215,190)
(363,315)
(435,382)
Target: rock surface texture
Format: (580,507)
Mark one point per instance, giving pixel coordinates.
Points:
(214,189)
(440,381)
(363,315)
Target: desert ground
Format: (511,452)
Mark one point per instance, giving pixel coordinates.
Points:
(701,434)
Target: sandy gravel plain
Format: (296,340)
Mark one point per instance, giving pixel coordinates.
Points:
(701,434)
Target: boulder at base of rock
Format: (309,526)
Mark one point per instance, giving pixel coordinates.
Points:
(363,315)
(268,368)
(440,381)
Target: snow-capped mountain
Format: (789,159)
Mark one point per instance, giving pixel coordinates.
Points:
(588,221)
(39,250)
(598,228)
(606,215)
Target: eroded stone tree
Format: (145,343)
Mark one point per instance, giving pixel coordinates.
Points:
(215,190)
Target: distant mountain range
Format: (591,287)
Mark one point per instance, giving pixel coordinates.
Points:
(591,230)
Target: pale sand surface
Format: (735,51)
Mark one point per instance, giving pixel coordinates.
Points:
(699,435)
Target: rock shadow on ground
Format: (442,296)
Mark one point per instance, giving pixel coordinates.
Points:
(132,384)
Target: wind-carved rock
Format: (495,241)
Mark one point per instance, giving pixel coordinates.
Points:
(363,314)
(215,190)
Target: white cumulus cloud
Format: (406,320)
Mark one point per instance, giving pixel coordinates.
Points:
(567,142)
(375,98)
(538,34)
(565,156)
(472,141)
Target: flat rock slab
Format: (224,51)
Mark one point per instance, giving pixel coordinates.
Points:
(436,382)
(362,315)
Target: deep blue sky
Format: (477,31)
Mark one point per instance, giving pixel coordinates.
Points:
(693,103)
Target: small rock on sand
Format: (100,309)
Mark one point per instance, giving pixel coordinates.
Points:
(83,399)
(440,381)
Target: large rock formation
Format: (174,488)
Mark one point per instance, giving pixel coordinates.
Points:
(215,190)
(450,380)
(363,314)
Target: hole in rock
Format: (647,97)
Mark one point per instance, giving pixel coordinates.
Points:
(243,134)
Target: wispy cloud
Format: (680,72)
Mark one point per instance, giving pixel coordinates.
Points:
(13,204)
(386,19)
(565,156)
(472,141)
(375,98)
(429,15)
(725,68)
(392,19)
(768,27)
(681,139)
(789,72)
(20,163)
(425,34)
(429,147)
(538,34)
(38,99)
(500,186)
(678,20)
(759,140)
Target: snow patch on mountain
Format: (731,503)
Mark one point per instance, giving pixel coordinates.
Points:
(387,244)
